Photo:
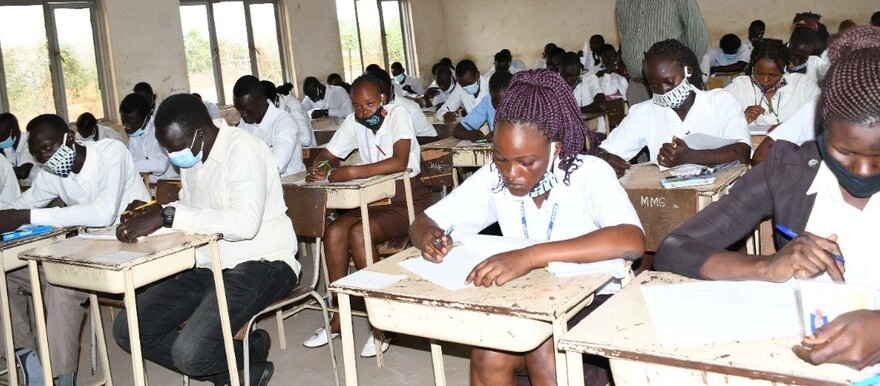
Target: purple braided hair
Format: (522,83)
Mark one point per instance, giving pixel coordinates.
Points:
(851,89)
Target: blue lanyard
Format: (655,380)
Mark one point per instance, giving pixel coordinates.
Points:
(525,227)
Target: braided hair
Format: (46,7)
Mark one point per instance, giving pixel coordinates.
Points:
(369,78)
(851,89)
(773,49)
(541,97)
(677,51)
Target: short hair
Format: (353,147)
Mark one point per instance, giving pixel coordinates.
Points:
(383,82)
(773,49)
(396,65)
(549,46)
(183,110)
(599,38)
(310,82)
(143,87)
(285,88)
(372,66)
(806,35)
(502,56)
(197,95)
(499,81)
(677,51)
(55,122)
(333,77)
(369,79)
(570,59)
(86,120)
(875,19)
(556,54)
(607,48)
(845,25)
(135,103)
(269,90)
(7,119)
(851,87)
(758,24)
(248,85)
(447,62)
(465,66)
(730,42)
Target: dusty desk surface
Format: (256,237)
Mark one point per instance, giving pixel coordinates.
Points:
(622,328)
(299,180)
(648,176)
(4,245)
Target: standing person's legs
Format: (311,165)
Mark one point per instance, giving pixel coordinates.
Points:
(637,91)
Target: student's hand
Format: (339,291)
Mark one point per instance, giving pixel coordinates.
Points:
(753,112)
(409,89)
(805,256)
(432,92)
(139,225)
(319,114)
(12,219)
(852,339)
(131,212)
(342,174)
(674,153)
(490,137)
(435,244)
(318,174)
(618,164)
(501,268)
(449,117)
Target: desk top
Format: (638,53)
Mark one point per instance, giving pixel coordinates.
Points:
(453,143)
(79,252)
(299,181)
(27,240)
(622,328)
(538,295)
(648,176)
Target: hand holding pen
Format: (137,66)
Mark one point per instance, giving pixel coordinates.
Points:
(807,255)
(437,243)
(319,172)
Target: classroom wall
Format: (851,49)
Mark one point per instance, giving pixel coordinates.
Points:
(314,40)
(429,38)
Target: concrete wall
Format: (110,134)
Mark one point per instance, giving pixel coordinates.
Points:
(314,39)
(429,38)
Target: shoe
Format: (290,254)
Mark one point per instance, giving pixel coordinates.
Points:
(30,371)
(261,374)
(369,350)
(320,338)
(260,343)
(68,379)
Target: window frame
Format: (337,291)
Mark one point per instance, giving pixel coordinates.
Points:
(405,31)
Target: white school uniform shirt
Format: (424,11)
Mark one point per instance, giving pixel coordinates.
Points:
(379,146)
(589,60)
(336,101)
(411,81)
(584,93)
(149,156)
(421,126)
(717,57)
(817,66)
(303,120)
(213,110)
(22,155)
(459,98)
(94,197)
(540,65)
(856,229)
(236,191)
(614,85)
(800,127)
(799,90)
(747,49)
(278,131)
(444,94)
(714,112)
(103,132)
(9,189)
(592,200)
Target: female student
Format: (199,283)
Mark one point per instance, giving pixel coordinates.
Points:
(679,107)
(770,96)
(541,187)
(825,191)
(384,136)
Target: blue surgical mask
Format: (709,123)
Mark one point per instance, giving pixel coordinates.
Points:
(400,78)
(185,158)
(472,89)
(730,57)
(8,142)
(139,132)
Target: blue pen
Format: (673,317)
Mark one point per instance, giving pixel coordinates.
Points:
(791,235)
(868,382)
(448,232)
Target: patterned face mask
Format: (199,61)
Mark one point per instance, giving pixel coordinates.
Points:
(548,181)
(779,84)
(61,163)
(675,97)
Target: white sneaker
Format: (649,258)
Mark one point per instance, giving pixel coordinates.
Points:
(320,338)
(369,350)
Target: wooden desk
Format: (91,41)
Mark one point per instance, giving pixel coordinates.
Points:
(9,262)
(71,263)
(474,155)
(622,331)
(661,210)
(516,317)
(592,120)
(230,114)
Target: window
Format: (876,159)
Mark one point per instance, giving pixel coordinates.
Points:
(373,31)
(227,39)
(48,60)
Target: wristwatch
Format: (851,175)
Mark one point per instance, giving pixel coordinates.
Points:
(168,216)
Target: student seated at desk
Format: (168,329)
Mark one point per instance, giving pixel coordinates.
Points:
(540,186)
(554,59)
(14,146)
(294,107)
(324,100)
(473,89)
(807,44)
(484,113)
(88,129)
(384,136)
(542,64)
(138,120)
(230,186)
(826,192)
(756,35)
(420,123)
(213,110)
(679,107)
(614,85)
(592,59)
(409,84)
(586,88)
(95,180)
(444,83)
(730,56)
(9,188)
(145,90)
(501,63)
(335,79)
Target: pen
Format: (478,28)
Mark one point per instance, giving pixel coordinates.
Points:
(380,151)
(868,382)
(448,232)
(321,165)
(482,140)
(139,208)
(791,235)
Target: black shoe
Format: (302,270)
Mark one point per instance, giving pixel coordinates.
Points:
(260,342)
(261,374)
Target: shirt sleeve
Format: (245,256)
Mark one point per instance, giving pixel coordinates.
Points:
(149,157)
(696,32)
(593,87)
(307,104)
(479,116)
(345,140)
(468,206)
(727,113)
(417,85)
(628,138)
(451,104)
(9,189)
(340,104)
(799,128)
(285,142)
(608,201)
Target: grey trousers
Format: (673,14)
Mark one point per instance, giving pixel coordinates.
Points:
(64,316)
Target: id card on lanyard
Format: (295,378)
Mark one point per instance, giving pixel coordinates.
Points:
(525,227)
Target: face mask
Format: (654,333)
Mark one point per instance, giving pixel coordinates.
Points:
(472,89)
(8,142)
(374,122)
(185,158)
(780,84)
(798,67)
(853,183)
(730,57)
(61,163)
(548,181)
(140,132)
(675,97)
(400,78)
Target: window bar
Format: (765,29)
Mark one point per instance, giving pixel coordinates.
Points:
(252,48)
(382,35)
(215,55)
(55,59)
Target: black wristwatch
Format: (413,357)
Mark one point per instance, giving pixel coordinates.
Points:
(168,216)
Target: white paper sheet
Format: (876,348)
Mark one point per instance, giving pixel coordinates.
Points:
(701,141)
(116,258)
(759,129)
(109,234)
(722,311)
(369,280)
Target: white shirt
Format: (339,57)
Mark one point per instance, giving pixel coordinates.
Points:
(336,101)
(459,98)
(856,229)
(280,133)
(817,66)
(9,189)
(236,191)
(22,155)
(589,60)
(420,123)
(303,120)
(95,197)
(592,200)
(541,64)
(614,85)
(103,132)
(584,93)
(149,156)
(213,110)
(787,100)
(377,147)
(714,112)
(747,49)
(718,58)
(411,81)
(444,94)
(800,127)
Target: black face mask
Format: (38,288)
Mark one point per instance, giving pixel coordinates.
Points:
(853,183)
(374,122)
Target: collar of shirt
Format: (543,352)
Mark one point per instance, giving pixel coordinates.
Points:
(220,149)
(90,165)
(268,118)
(699,109)
(826,183)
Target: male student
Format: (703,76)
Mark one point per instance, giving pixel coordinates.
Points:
(265,121)
(586,88)
(730,56)
(542,64)
(501,63)
(88,129)
(324,100)
(145,90)
(756,35)
(13,145)
(9,189)
(213,110)
(294,107)
(484,113)
(471,92)
(137,119)
(95,180)
(230,186)
(408,83)
(444,83)
(592,59)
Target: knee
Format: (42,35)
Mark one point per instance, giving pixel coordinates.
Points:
(336,233)
(191,359)
(120,331)
(356,235)
(487,363)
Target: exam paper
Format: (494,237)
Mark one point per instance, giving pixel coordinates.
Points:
(701,141)
(369,280)
(706,312)
(109,234)
(759,129)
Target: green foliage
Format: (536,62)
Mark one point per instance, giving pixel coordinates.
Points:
(198,52)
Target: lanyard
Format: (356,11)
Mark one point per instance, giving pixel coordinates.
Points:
(773,110)
(525,227)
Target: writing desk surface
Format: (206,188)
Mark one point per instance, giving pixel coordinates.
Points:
(4,245)
(539,295)
(453,143)
(648,176)
(299,181)
(622,328)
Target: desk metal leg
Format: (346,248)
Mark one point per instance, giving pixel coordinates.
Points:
(559,329)
(7,327)
(101,340)
(217,269)
(134,331)
(368,250)
(575,368)
(42,337)
(437,359)
(348,359)
(454,177)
